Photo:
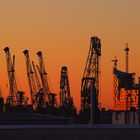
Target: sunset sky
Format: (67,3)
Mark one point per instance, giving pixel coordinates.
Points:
(61,29)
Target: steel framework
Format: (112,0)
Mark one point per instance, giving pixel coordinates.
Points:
(90,81)
(15,97)
(50,98)
(66,100)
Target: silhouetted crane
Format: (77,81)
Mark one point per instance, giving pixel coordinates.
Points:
(50,98)
(15,97)
(11,76)
(30,75)
(66,101)
(90,83)
(36,94)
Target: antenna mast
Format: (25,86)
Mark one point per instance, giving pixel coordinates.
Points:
(127,57)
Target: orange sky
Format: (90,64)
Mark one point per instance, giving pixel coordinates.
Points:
(62,30)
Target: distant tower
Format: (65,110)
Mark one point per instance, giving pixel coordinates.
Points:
(127,57)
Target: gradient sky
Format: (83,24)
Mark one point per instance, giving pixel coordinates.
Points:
(62,30)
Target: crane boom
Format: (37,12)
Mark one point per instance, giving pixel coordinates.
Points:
(43,73)
(11,75)
(36,77)
(30,75)
(50,98)
(15,97)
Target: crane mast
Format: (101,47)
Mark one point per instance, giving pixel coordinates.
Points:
(90,82)
(64,87)
(13,97)
(39,97)
(39,86)
(66,101)
(49,97)
(30,75)
(43,73)
(16,97)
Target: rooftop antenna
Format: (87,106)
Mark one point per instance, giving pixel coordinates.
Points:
(127,56)
(115,60)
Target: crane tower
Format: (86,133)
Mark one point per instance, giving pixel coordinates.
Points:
(30,74)
(90,82)
(66,101)
(50,98)
(64,87)
(15,97)
(11,75)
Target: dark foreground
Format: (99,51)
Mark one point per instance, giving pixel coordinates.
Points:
(69,132)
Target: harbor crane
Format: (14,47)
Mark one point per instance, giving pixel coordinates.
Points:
(15,97)
(66,101)
(36,93)
(90,83)
(49,97)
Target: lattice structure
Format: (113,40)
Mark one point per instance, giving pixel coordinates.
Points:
(11,76)
(50,98)
(90,82)
(30,75)
(65,96)
(15,97)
